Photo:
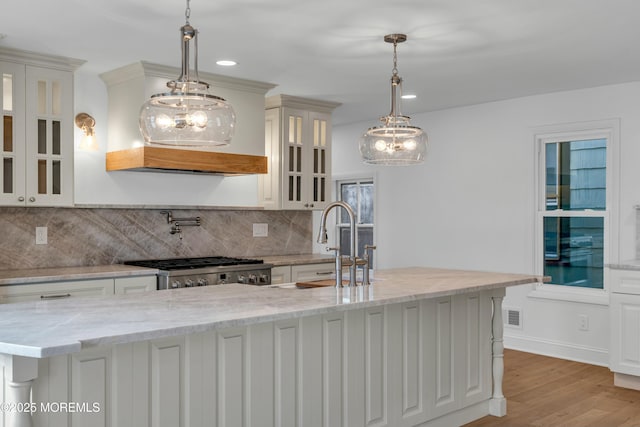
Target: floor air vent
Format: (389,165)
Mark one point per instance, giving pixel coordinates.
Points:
(512,317)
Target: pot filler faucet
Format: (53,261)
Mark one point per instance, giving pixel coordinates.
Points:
(354,261)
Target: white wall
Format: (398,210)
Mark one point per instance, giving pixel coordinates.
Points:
(95,186)
(471,204)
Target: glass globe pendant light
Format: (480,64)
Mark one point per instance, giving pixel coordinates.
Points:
(396,142)
(187,115)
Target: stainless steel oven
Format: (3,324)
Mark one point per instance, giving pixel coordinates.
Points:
(206,271)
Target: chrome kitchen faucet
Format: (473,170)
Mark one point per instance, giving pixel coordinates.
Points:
(353,258)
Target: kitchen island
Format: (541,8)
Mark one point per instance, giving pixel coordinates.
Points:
(420,346)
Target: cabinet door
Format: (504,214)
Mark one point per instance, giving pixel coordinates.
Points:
(295,162)
(625,334)
(281,274)
(55,290)
(134,285)
(49,137)
(12,127)
(310,272)
(318,180)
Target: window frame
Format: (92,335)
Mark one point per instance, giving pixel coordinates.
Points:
(602,129)
(352,179)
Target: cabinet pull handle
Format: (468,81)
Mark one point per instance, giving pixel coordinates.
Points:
(323,273)
(21,199)
(58,296)
(32,199)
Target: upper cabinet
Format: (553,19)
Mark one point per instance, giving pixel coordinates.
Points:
(298,145)
(36,155)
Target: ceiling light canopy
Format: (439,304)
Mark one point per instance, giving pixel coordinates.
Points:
(396,142)
(187,115)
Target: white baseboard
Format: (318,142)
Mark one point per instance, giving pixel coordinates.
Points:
(561,350)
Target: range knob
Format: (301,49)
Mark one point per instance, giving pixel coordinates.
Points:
(189,283)
(175,284)
(263,278)
(252,279)
(241,278)
(203,282)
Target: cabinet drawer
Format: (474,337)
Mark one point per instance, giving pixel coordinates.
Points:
(625,281)
(310,272)
(55,290)
(134,285)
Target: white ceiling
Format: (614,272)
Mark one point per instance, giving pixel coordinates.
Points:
(459,52)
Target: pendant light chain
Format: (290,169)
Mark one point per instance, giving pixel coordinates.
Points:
(187,12)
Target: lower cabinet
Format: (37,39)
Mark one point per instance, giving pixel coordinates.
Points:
(624,309)
(55,290)
(301,272)
(134,285)
(76,288)
(625,334)
(394,365)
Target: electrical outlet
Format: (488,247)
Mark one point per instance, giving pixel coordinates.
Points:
(583,322)
(41,236)
(260,230)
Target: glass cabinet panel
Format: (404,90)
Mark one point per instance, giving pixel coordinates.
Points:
(8,155)
(7,92)
(7,131)
(7,175)
(42,97)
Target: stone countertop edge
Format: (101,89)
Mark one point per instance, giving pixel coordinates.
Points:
(49,328)
(57,274)
(632,264)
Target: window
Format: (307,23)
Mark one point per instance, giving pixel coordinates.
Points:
(574,204)
(359,194)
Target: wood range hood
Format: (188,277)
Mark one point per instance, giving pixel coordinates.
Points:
(160,159)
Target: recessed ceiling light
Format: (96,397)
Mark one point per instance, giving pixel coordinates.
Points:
(409,96)
(226,63)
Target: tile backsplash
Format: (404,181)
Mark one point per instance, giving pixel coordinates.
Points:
(99,236)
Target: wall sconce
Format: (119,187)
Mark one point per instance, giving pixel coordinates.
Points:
(87,123)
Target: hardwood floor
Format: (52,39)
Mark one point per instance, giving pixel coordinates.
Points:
(547,392)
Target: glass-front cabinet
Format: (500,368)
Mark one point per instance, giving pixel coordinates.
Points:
(36,167)
(298,144)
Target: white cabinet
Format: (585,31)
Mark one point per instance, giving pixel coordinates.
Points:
(281,274)
(55,290)
(301,272)
(134,285)
(298,145)
(76,288)
(311,272)
(36,155)
(624,352)
(390,365)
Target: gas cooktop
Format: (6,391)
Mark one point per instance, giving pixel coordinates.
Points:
(192,263)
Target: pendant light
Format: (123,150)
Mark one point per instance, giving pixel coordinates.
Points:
(187,115)
(396,142)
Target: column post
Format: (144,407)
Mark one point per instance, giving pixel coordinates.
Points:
(498,403)
(19,373)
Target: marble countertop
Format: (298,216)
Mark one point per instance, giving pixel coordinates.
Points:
(633,264)
(39,275)
(55,274)
(47,328)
